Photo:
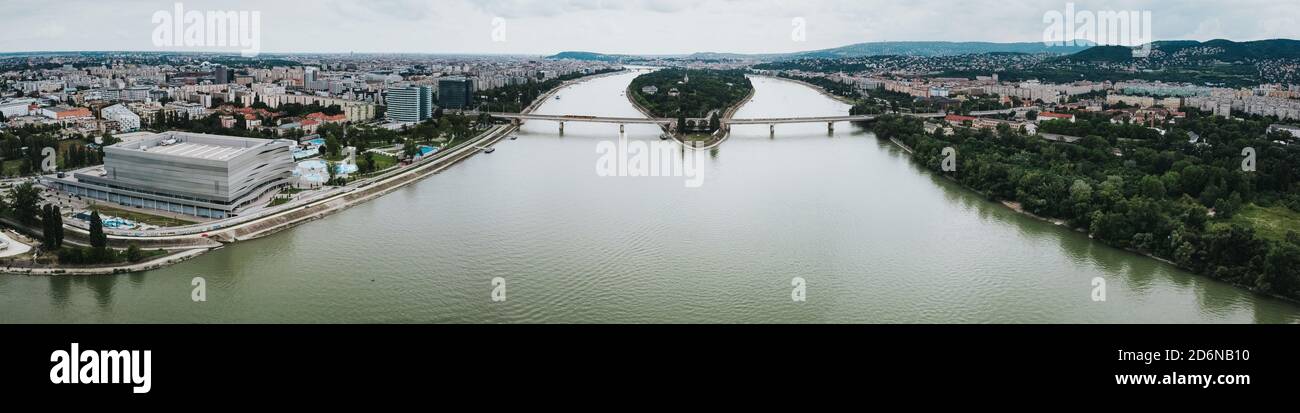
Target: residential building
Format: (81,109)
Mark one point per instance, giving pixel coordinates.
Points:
(126,120)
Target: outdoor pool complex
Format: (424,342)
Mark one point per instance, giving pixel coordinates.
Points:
(313,171)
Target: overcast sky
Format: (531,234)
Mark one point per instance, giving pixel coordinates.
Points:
(615,26)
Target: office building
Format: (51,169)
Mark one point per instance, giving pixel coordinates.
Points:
(455,93)
(410,104)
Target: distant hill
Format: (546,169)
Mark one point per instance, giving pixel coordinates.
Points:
(589,56)
(857,50)
(1193,51)
(936,49)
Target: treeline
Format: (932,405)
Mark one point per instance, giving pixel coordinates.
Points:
(165,121)
(830,86)
(879,101)
(22,203)
(514,98)
(1086,124)
(1153,195)
(26,145)
(298,109)
(98,252)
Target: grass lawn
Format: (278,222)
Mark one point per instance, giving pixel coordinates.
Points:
(383,162)
(1271,223)
(140,217)
(279,200)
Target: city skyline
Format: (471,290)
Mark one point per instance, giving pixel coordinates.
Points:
(641,27)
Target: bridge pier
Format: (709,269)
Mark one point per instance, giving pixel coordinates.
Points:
(771,129)
(561,127)
(830,128)
(620,128)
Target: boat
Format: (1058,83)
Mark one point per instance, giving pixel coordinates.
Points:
(489,150)
(513,137)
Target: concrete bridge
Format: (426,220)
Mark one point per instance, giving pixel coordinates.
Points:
(519,118)
(830,121)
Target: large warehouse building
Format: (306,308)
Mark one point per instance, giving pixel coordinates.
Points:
(209,176)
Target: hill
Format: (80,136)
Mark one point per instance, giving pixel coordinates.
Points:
(1191,51)
(936,49)
(928,49)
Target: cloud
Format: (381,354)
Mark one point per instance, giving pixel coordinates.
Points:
(552,8)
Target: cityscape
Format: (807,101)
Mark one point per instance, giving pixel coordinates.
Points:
(564,162)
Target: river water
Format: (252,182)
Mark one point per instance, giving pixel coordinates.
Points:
(874,238)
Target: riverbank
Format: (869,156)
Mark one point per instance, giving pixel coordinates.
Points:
(819,89)
(1019,209)
(186,246)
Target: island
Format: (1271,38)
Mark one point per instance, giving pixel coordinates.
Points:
(698,98)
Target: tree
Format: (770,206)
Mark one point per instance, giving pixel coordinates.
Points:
(1227,207)
(331,146)
(369,159)
(98,240)
(51,228)
(24,199)
(58,227)
(1152,187)
(133,253)
(410,149)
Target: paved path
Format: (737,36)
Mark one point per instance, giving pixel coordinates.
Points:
(14,247)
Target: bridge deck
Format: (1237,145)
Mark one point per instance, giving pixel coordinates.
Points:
(750,121)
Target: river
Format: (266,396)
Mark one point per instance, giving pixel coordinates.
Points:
(874,238)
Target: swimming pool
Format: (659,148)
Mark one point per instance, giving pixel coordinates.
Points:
(313,171)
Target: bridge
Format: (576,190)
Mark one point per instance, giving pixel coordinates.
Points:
(518,118)
(726,123)
(830,120)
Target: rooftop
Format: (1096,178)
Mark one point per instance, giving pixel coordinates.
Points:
(193,145)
